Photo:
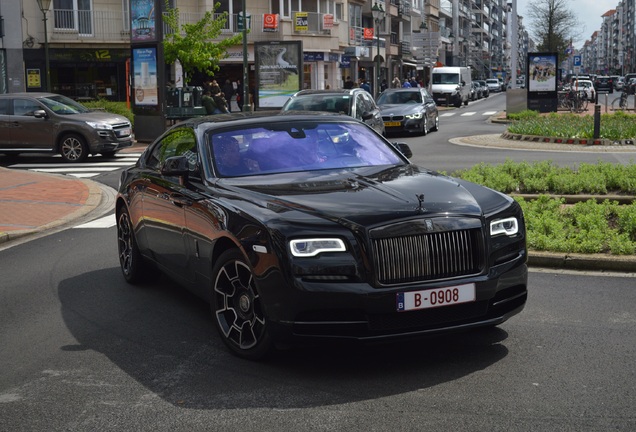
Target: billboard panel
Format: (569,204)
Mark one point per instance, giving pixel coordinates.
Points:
(279,68)
(542,72)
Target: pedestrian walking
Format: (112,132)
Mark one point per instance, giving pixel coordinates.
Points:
(228,92)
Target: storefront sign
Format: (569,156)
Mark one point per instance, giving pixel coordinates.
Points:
(313,56)
(34,79)
(327,21)
(270,22)
(368,33)
(301,21)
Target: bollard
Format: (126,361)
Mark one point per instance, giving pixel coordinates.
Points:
(597,121)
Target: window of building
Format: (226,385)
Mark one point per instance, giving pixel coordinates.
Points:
(74,15)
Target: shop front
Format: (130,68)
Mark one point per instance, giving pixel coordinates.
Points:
(82,74)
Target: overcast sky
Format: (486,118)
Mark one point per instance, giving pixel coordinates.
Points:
(588,12)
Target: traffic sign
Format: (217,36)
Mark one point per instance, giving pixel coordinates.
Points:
(577,60)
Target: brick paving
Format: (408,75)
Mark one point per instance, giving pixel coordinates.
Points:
(32,201)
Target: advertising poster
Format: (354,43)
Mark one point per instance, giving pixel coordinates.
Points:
(34,80)
(279,71)
(142,20)
(145,76)
(542,72)
(301,21)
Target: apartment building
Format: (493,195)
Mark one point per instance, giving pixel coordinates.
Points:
(88,41)
(611,48)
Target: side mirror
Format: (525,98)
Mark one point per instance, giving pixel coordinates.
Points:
(404,149)
(367,115)
(175,166)
(40,114)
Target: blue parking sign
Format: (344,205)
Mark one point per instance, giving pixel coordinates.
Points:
(577,60)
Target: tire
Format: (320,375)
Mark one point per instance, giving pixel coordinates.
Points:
(236,305)
(436,124)
(133,266)
(424,130)
(73,148)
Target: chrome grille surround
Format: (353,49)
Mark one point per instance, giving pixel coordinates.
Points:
(428,256)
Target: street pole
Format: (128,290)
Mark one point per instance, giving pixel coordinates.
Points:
(245,90)
(378,13)
(44,6)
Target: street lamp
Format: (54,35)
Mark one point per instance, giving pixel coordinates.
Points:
(44,6)
(378,13)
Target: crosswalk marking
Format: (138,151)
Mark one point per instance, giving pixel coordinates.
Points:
(468,113)
(91,168)
(103,222)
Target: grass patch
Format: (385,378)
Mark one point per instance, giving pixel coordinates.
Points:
(615,126)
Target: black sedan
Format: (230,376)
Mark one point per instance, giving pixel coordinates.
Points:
(408,110)
(313,226)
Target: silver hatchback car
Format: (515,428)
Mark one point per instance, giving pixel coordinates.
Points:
(49,122)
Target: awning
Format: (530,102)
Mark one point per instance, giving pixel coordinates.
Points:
(405,63)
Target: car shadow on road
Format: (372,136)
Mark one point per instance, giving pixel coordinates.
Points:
(163,338)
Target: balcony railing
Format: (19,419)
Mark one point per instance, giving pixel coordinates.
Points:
(74,24)
(114,26)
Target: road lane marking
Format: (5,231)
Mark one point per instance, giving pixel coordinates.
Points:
(103,222)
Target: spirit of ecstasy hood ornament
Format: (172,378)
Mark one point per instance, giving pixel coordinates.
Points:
(420,208)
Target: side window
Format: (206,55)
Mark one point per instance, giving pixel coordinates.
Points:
(179,142)
(25,107)
(4,106)
(360,106)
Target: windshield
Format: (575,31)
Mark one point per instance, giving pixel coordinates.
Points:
(445,78)
(287,147)
(401,97)
(62,105)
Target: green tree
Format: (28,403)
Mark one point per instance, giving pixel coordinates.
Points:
(194,45)
(553,25)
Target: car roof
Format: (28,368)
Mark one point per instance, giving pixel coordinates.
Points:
(28,94)
(263,117)
(340,92)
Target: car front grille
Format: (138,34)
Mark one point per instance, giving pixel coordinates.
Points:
(428,256)
(122,129)
(393,118)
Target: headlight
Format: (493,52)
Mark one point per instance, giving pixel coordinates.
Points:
(508,226)
(414,116)
(312,247)
(99,126)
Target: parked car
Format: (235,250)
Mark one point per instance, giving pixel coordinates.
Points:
(619,83)
(408,110)
(312,226)
(485,91)
(604,84)
(357,103)
(585,86)
(493,85)
(48,122)
(475,91)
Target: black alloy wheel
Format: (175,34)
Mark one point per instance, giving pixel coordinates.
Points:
(133,267)
(73,148)
(238,311)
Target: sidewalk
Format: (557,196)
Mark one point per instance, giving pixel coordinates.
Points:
(32,203)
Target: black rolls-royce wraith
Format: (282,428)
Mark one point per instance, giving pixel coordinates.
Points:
(312,225)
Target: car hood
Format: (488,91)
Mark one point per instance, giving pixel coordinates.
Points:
(98,116)
(366,196)
(400,109)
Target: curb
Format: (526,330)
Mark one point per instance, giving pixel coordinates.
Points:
(576,141)
(583,262)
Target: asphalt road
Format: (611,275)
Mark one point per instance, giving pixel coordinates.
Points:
(81,350)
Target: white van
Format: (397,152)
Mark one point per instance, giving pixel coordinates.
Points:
(451,85)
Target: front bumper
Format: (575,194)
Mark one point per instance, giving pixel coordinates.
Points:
(358,312)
